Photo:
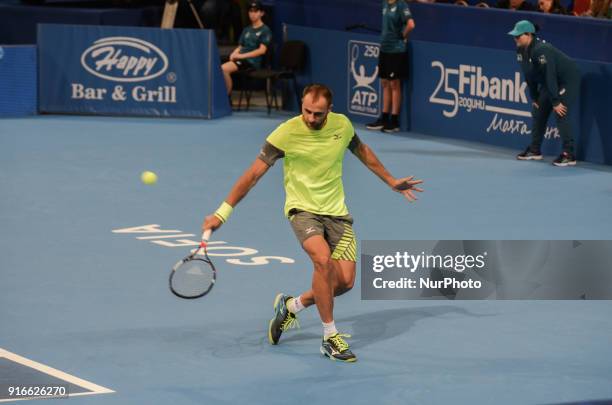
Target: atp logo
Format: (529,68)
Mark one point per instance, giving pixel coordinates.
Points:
(363,82)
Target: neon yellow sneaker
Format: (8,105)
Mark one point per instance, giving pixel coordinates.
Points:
(283,319)
(336,348)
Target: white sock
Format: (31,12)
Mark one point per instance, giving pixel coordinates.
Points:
(329,329)
(294,305)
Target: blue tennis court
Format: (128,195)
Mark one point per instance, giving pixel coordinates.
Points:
(87,248)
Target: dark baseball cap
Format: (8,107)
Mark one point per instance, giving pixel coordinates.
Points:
(255,5)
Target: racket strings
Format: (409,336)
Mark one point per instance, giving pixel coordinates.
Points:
(193,278)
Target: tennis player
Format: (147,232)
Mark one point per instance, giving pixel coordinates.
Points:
(312,146)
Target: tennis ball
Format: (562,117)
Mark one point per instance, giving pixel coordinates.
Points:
(148,177)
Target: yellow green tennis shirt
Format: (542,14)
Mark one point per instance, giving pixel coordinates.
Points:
(312,163)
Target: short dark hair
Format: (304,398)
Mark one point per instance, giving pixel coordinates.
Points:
(318,90)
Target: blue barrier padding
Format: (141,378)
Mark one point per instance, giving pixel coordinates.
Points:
(130,71)
(18,80)
(461,92)
(584,38)
(595,103)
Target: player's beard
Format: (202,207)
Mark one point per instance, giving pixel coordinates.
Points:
(316,125)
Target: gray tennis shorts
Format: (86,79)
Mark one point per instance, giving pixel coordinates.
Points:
(337,231)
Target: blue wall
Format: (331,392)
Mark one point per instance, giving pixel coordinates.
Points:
(580,37)
(18,21)
(18,80)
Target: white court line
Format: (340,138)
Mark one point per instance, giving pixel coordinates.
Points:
(510,111)
(93,388)
(184,235)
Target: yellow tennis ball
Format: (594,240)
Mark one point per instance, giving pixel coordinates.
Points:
(148,177)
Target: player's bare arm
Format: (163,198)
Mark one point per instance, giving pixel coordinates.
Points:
(404,185)
(240,189)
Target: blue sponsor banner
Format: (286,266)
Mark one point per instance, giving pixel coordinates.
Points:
(18,81)
(475,94)
(456,91)
(480,94)
(130,71)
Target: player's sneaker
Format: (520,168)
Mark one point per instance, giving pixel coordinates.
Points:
(529,154)
(283,319)
(376,125)
(336,348)
(565,159)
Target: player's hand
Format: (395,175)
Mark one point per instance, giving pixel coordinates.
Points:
(535,105)
(406,187)
(560,110)
(211,222)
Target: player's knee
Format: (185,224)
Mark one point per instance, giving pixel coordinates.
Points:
(322,264)
(348,284)
(343,286)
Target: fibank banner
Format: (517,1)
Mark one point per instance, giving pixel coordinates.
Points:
(130,71)
(474,94)
(484,269)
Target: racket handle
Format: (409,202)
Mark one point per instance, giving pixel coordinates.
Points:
(206,235)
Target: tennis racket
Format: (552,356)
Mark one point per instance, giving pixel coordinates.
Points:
(195,275)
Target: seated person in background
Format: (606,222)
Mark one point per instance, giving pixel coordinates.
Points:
(599,9)
(521,5)
(551,6)
(252,46)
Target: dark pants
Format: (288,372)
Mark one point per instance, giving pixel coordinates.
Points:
(540,117)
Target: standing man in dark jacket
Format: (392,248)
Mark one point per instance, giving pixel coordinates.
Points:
(554,82)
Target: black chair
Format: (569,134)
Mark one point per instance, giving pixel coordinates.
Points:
(292,60)
(247,83)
